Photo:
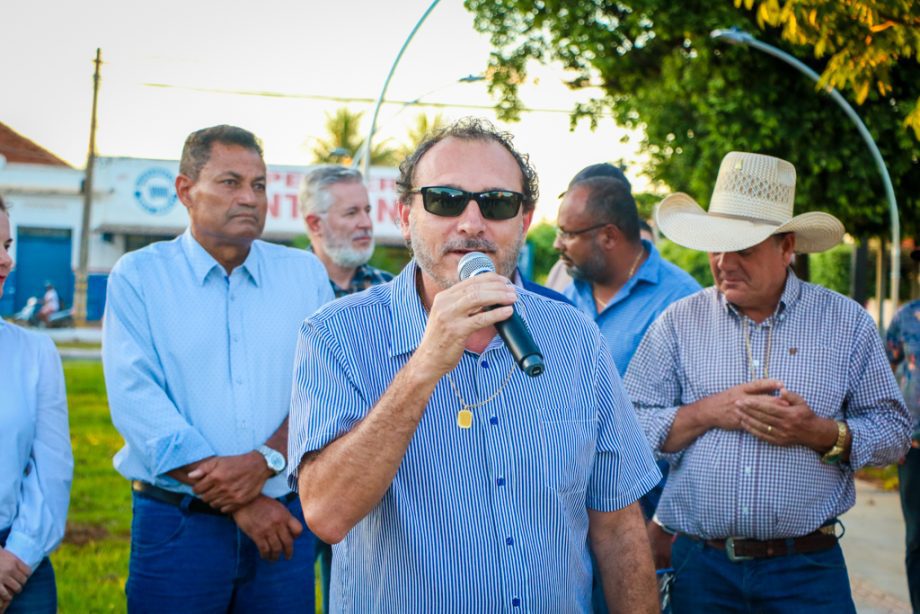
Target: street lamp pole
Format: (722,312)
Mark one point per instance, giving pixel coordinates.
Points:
(386,84)
(735,36)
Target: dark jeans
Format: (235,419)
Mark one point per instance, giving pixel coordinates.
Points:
(39,595)
(184,561)
(705,580)
(909,479)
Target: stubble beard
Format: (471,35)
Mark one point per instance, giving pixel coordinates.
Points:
(505,263)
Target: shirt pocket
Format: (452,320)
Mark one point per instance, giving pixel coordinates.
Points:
(568,448)
(819,374)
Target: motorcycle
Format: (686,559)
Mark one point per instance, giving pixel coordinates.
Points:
(28,315)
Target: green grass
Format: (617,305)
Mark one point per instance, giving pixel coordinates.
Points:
(92,564)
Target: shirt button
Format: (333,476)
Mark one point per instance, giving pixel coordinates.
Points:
(744,510)
(747,470)
(239,382)
(515,602)
(509,541)
(493,420)
(236,338)
(232,297)
(500,481)
(484,364)
(756,363)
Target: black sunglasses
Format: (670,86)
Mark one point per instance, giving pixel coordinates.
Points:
(451,202)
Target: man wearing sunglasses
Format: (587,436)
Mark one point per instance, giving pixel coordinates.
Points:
(447,479)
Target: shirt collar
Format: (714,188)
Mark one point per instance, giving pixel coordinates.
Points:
(409,318)
(792,291)
(203,263)
(649,272)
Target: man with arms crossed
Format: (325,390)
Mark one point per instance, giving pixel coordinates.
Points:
(447,478)
(198,341)
(765,394)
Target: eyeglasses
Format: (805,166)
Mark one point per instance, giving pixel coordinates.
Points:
(565,235)
(451,202)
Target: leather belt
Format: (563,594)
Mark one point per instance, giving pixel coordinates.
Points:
(187,502)
(742,549)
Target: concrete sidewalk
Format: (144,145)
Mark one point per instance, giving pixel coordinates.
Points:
(874,551)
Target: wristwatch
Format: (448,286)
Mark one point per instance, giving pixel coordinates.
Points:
(273,458)
(832,456)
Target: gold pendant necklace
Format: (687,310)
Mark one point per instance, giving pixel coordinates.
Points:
(465,414)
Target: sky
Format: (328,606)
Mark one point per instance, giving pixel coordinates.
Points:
(172,67)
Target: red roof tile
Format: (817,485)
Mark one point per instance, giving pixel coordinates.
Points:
(17,148)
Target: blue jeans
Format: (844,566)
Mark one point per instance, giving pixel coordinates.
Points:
(909,485)
(184,561)
(39,595)
(705,580)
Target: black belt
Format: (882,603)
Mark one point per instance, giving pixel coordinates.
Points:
(742,549)
(187,502)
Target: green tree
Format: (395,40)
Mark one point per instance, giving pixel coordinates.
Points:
(695,99)
(541,238)
(344,141)
(863,41)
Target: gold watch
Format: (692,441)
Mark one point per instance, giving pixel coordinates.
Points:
(832,456)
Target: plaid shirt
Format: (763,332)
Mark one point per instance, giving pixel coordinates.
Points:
(729,483)
(365,276)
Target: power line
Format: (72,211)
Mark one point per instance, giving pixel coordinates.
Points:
(416,102)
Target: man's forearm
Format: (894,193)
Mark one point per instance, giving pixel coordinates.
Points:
(620,545)
(690,422)
(341,484)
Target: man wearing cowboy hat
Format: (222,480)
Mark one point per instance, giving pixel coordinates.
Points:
(765,394)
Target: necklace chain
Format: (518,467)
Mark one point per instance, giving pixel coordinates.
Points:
(632,271)
(468,406)
(750,354)
(465,413)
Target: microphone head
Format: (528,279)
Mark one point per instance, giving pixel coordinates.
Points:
(474,263)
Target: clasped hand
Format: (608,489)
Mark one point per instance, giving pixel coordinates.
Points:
(229,482)
(13,576)
(270,525)
(770,412)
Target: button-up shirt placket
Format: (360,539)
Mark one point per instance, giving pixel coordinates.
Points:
(237,283)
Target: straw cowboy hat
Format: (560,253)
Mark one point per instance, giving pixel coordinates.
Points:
(752,200)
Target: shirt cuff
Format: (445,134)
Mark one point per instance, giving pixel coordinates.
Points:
(25,548)
(177,450)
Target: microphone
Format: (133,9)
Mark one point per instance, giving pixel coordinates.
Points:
(514,331)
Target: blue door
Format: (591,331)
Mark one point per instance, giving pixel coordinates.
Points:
(43,254)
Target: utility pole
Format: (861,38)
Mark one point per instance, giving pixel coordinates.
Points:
(79,297)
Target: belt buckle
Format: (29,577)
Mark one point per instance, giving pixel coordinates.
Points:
(730,551)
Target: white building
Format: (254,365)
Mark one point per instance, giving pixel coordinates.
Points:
(134,204)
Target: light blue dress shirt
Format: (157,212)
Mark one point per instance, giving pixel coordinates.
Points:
(36,461)
(198,362)
(624,320)
(486,519)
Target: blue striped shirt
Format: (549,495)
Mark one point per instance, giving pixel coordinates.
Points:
(490,518)
(655,285)
(198,362)
(824,347)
